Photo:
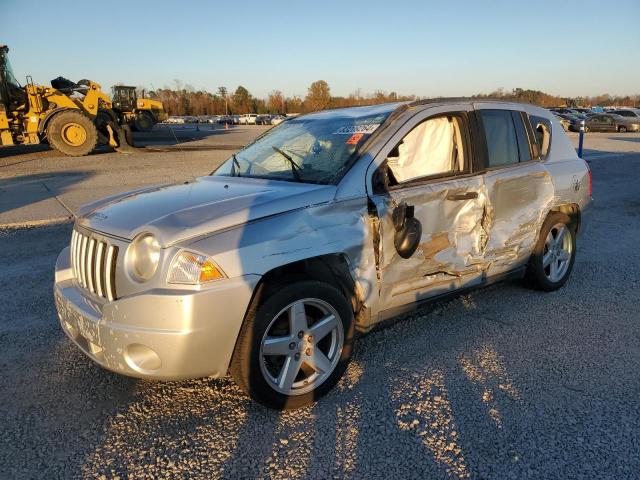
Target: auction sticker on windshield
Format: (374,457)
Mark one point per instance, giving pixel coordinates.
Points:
(354,139)
(365,129)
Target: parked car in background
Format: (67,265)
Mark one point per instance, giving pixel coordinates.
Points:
(563,110)
(235,119)
(328,224)
(248,119)
(277,119)
(628,112)
(225,119)
(607,122)
(263,119)
(175,119)
(564,122)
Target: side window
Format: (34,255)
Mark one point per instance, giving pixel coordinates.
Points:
(500,133)
(542,130)
(433,148)
(523,139)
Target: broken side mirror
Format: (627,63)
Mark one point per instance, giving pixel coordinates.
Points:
(408,230)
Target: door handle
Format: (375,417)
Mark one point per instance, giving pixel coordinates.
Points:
(462,196)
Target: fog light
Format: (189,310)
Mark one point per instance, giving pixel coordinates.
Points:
(141,358)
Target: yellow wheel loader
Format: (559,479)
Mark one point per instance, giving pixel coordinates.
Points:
(70,116)
(140,113)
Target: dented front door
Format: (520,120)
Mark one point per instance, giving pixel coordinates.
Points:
(449,254)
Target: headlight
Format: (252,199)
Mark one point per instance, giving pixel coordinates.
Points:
(192,268)
(142,256)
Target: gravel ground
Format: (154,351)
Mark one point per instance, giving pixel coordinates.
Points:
(504,382)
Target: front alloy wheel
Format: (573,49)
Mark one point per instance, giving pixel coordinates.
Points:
(295,343)
(301,346)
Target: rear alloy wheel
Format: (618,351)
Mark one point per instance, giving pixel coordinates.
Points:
(554,255)
(72,133)
(622,129)
(294,346)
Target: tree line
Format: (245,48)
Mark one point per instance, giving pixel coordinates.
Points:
(185,100)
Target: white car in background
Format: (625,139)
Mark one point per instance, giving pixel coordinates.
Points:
(248,119)
(175,120)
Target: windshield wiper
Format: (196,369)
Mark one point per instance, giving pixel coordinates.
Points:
(295,168)
(236,163)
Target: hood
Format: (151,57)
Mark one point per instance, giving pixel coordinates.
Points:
(209,204)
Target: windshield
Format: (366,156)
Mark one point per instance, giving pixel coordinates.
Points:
(306,149)
(9,77)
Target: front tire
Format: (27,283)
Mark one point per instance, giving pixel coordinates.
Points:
(294,345)
(554,254)
(72,133)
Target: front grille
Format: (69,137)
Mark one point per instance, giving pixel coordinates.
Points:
(94,264)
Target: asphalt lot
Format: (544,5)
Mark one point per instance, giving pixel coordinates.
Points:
(38,185)
(505,382)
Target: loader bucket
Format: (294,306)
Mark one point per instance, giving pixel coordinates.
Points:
(121,138)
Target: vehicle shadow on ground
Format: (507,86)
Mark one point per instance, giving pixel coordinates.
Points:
(43,188)
(409,426)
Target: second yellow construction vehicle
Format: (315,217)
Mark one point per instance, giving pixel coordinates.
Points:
(140,113)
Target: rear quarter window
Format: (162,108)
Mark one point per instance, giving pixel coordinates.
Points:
(542,131)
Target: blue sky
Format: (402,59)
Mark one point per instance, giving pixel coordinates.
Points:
(428,48)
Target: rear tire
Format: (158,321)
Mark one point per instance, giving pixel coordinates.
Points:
(144,122)
(72,133)
(272,343)
(554,254)
(622,129)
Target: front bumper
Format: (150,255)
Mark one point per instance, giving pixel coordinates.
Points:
(164,334)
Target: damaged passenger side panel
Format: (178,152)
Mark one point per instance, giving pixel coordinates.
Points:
(450,249)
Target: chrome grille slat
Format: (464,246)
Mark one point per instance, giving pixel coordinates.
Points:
(76,254)
(72,255)
(93,263)
(83,262)
(99,269)
(108,279)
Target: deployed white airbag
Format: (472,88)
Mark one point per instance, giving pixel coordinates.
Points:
(427,150)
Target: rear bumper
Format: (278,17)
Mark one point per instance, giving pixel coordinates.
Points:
(586,212)
(162,334)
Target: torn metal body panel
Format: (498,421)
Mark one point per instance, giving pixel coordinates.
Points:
(450,248)
(198,252)
(518,202)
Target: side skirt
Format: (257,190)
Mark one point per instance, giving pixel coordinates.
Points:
(386,316)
